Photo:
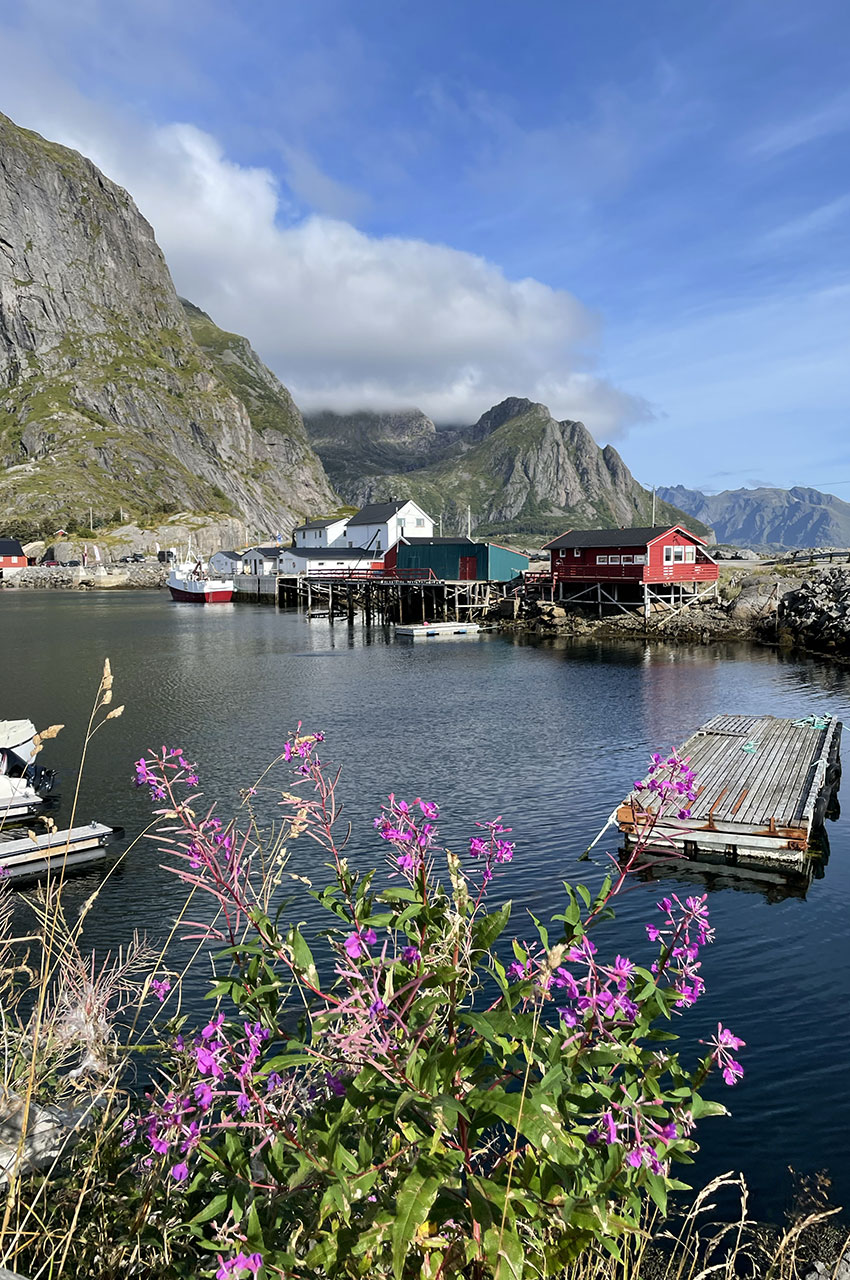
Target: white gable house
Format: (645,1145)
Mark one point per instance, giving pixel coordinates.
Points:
(378,526)
(261,560)
(312,560)
(320,533)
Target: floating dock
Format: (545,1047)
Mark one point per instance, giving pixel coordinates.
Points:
(33,855)
(436,630)
(762,788)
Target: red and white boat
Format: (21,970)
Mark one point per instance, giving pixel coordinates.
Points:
(189,583)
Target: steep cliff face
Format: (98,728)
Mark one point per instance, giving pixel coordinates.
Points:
(517,469)
(112,393)
(785,518)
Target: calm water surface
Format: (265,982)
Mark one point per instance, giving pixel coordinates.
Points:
(548,734)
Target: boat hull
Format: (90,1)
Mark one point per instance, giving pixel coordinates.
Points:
(199,590)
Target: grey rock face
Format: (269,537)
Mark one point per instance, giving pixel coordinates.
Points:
(517,469)
(798,517)
(106,397)
(818,611)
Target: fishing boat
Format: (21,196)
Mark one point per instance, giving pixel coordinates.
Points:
(190,583)
(24,785)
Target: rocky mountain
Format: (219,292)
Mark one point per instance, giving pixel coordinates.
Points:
(781,518)
(518,470)
(114,393)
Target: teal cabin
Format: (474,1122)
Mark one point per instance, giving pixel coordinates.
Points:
(457,559)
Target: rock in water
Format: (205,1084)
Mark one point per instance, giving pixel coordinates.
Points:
(112,392)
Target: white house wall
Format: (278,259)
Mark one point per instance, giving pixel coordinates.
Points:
(328,536)
(291,562)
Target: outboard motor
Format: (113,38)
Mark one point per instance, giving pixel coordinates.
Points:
(40,779)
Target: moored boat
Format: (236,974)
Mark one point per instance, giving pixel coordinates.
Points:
(24,785)
(190,584)
(56,851)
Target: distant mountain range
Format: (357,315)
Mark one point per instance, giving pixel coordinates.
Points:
(781,518)
(516,470)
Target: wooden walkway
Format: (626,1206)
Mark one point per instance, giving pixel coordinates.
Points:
(762,787)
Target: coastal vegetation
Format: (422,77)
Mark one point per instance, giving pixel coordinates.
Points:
(400,1095)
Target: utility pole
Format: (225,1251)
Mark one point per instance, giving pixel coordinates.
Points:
(653,506)
(91,519)
(468,521)
(441,524)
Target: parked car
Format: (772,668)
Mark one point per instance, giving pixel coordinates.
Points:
(73,564)
(50,564)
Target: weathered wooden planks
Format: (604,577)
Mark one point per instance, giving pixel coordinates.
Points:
(762,784)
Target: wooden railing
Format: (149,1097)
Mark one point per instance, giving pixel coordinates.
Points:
(370,575)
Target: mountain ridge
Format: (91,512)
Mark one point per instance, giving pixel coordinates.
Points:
(517,469)
(768,517)
(107,398)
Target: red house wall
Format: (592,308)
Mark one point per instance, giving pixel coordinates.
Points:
(584,567)
(12,562)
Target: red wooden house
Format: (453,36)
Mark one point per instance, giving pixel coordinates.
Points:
(11,554)
(664,564)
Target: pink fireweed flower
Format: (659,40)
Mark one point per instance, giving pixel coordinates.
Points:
(180,1172)
(410,955)
(723,1045)
(160,987)
(239,1267)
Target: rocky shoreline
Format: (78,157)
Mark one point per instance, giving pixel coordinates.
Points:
(812,614)
(93,578)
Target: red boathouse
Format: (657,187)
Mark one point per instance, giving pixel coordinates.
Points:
(663,566)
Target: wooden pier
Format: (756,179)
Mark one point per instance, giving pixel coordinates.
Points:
(386,600)
(437,630)
(763,785)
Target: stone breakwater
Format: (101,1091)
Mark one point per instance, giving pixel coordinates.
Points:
(62,578)
(812,614)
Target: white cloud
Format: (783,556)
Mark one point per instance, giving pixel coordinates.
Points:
(347,320)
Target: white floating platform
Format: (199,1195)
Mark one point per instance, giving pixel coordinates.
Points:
(35,855)
(437,630)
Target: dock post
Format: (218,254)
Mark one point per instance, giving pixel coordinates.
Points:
(367,604)
(330,601)
(422,596)
(350,604)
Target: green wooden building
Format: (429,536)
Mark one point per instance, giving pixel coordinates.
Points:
(457,559)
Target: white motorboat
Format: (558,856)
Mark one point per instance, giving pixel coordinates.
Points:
(24,785)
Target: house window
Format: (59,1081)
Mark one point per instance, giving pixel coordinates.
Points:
(613,559)
(674,555)
(576,551)
(562,553)
(690,555)
(640,559)
(378,544)
(601,559)
(626,560)
(420,524)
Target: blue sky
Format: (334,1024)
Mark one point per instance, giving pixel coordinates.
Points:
(635,213)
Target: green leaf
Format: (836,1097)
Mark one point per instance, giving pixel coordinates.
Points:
(486,930)
(413,1205)
(217,1205)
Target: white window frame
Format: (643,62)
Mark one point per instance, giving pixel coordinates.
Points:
(641,559)
(690,555)
(674,555)
(601,559)
(576,551)
(613,559)
(626,559)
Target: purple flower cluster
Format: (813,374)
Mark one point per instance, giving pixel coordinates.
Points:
(411,833)
(223,1083)
(671,782)
(237,1268)
(169,767)
(723,1045)
(160,987)
(492,848)
(300,746)
(599,996)
(682,932)
(626,1123)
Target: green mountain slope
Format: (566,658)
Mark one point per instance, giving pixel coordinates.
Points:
(113,393)
(518,470)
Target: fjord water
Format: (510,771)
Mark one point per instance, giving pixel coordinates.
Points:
(549,734)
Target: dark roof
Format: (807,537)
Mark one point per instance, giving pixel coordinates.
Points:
(615,537)
(427,542)
(377,512)
(268,552)
(333,553)
(10,547)
(317,524)
(231,555)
